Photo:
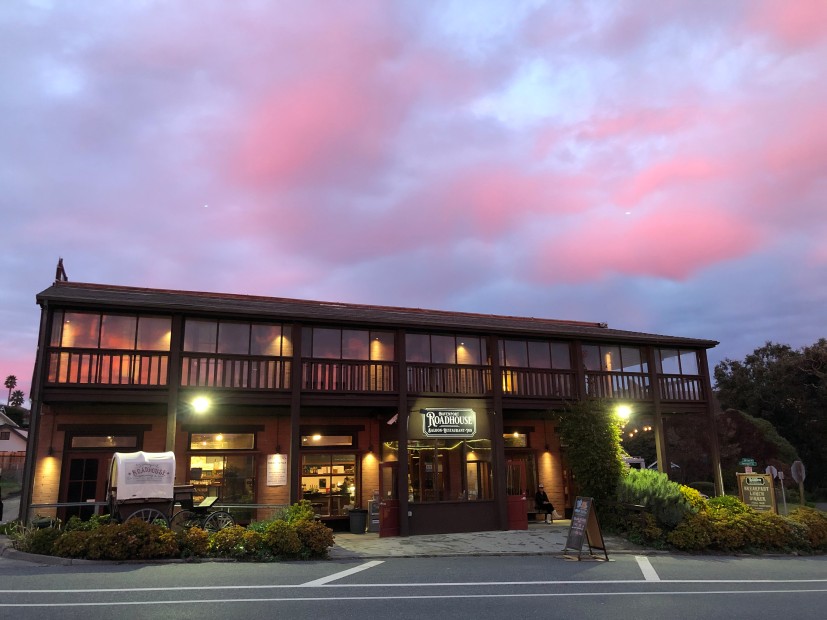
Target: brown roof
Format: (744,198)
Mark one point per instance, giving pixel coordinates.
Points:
(102,296)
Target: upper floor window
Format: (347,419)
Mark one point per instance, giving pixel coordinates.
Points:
(442,349)
(348,344)
(86,330)
(676,362)
(614,358)
(234,338)
(535,354)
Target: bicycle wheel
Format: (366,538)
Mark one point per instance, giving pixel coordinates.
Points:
(183,520)
(150,515)
(218,521)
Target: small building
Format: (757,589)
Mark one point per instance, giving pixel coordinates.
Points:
(446,418)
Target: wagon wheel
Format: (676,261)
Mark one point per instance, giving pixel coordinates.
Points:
(150,515)
(218,521)
(183,520)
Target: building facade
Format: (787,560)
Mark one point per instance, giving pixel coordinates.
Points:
(444,419)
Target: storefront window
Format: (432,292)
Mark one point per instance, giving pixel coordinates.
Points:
(222,441)
(231,478)
(104,441)
(515,440)
(329,483)
(442,470)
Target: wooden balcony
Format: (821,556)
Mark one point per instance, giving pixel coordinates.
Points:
(108,367)
(235,372)
(623,385)
(349,376)
(449,379)
(680,388)
(538,383)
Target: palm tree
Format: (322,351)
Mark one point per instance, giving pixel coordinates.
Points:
(17,398)
(11,383)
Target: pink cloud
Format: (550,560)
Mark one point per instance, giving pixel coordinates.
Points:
(795,25)
(673,243)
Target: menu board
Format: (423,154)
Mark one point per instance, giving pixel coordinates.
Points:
(584,526)
(276,470)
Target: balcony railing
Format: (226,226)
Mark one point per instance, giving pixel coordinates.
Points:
(349,376)
(108,367)
(449,379)
(538,383)
(627,385)
(235,371)
(680,387)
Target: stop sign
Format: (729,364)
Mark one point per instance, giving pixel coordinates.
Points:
(797,470)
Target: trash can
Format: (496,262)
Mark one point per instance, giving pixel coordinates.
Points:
(358,521)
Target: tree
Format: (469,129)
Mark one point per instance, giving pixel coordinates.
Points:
(11,383)
(788,388)
(17,398)
(591,432)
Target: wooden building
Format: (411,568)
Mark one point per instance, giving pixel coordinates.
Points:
(445,417)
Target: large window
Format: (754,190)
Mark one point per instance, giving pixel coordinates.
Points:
(443,470)
(232,338)
(539,354)
(442,349)
(109,348)
(347,344)
(676,362)
(329,482)
(614,358)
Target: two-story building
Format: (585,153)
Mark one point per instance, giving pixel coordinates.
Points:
(445,416)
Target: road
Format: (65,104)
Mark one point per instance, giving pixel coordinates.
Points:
(629,586)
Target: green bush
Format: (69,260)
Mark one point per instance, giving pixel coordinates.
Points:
(315,537)
(42,540)
(727,503)
(236,542)
(73,544)
(297,513)
(134,539)
(816,524)
(668,501)
(194,542)
(282,540)
(694,533)
(94,522)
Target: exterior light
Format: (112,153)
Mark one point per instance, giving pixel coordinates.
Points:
(316,437)
(200,404)
(623,412)
(219,437)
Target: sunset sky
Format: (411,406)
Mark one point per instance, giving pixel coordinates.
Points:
(659,165)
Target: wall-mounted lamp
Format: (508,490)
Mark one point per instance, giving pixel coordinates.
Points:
(200,404)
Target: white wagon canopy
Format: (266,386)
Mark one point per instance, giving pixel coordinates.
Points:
(142,475)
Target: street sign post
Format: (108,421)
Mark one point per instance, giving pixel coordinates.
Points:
(798,472)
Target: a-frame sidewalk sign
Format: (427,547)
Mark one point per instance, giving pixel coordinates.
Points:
(584,526)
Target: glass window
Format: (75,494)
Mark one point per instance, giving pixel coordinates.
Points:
(107,441)
(443,350)
(222,441)
(320,441)
(449,470)
(470,350)
(417,348)
(560,356)
(539,355)
(515,440)
(118,332)
(381,346)
(355,344)
(327,343)
(689,363)
(329,483)
(80,330)
(516,353)
(610,358)
(669,361)
(632,359)
(200,336)
(57,327)
(154,333)
(591,357)
(230,477)
(266,340)
(234,338)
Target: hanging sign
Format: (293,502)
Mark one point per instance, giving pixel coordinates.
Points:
(276,470)
(449,422)
(584,526)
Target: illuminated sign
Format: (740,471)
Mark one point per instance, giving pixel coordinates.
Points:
(449,422)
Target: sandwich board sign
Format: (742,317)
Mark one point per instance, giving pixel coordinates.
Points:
(584,527)
(758,491)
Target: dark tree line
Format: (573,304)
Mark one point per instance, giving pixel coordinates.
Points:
(788,388)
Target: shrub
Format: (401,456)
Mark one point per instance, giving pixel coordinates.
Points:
(694,533)
(816,524)
(236,542)
(282,540)
(297,513)
(73,544)
(707,488)
(643,529)
(727,503)
(194,542)
(668,501)
(95,521)
(42,540)
(134,539)
(315,538)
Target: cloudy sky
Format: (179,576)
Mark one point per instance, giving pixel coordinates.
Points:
(657,165)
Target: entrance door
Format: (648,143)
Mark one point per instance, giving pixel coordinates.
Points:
(515,489)
(389,500)
(86,480)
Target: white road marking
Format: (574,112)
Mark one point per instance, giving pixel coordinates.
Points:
(344,573)
(646,568)
(411,597)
